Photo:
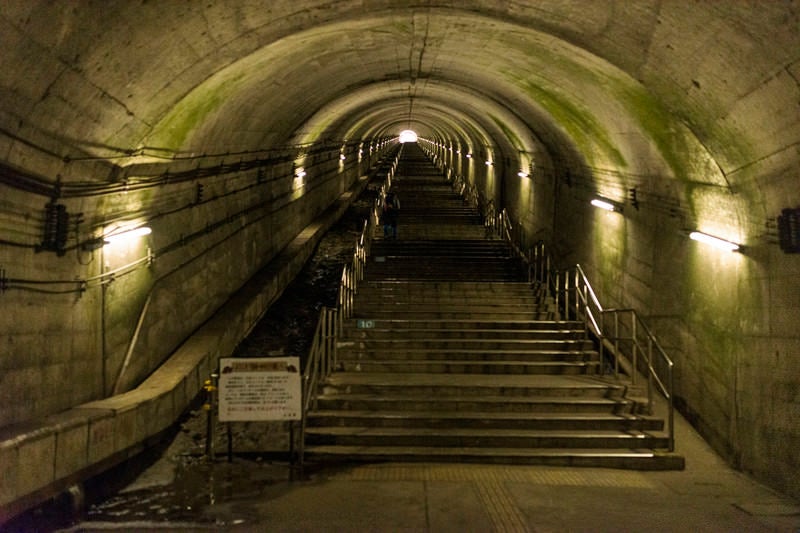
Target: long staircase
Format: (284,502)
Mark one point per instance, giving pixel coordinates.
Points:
(452,355)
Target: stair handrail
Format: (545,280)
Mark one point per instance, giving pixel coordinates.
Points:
(503,227)
(490,218)
(628,341)
(322,354)
(472,196)
(575,297)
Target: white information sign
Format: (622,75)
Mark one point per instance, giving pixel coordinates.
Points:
(260,389)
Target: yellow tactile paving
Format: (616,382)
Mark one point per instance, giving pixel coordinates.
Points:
(499,505)
(502,473)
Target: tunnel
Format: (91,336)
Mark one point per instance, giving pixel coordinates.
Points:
(224,138)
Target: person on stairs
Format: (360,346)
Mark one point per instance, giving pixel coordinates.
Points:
(391,212)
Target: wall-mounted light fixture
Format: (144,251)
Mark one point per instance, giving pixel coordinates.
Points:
(489,163)
(469,156)
(716,242)
(608,205)
(525,170)
(300,173)
(115,238)
(128,235)
(342,157)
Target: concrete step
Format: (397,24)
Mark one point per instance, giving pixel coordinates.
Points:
(487,403)
(448,286)
(400,274)
(367,305)
(351,331)
(452,300)
(622,458)
(493,437)
(461,314)
(468,268)
(427,384)
(532,326)
(430,344)
(389,297)
(440,245)
(350,351)
(483,420)
(434,231)
(461,262)
(462,258)
(471,367)
(353,350)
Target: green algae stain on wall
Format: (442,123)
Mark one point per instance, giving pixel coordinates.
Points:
(190,113)
(687,157)
(579,124)
(508,132)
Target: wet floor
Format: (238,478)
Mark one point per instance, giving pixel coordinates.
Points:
(202,493)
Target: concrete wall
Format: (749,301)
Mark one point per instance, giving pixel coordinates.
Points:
(83,341)
(72,444)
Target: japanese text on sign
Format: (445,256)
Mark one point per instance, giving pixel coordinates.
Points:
(259,389)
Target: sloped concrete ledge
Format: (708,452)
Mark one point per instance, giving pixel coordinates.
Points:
(40,460)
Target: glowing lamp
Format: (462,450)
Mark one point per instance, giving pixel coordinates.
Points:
(716,242)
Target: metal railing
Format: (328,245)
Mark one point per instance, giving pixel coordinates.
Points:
(322,360)
(634,349)
(473,197)
(502,227)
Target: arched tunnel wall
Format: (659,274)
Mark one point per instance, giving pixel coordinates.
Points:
(197,120)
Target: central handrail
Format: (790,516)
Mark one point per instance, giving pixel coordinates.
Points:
(322,359)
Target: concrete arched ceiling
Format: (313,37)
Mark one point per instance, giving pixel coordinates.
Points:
(703,94)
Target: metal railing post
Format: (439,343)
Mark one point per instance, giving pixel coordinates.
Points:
(602,342)
(616,345)
(586,311)
(558,292)
(671,407)
(634,349)
(650,374)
